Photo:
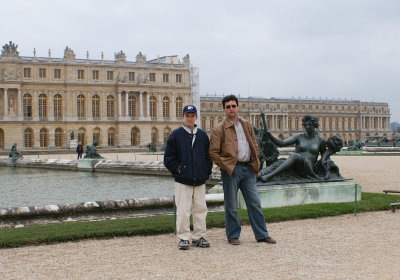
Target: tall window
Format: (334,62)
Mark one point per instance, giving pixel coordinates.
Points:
(1,139)
(132,106)
(152,77)
(110,75)
(135,136)
(154,135)
(179,107)
(58,138)
(95,74)
(42,106)
(111,137)
(80,74)
(82,136)
(179,78)
(96,106)
(42,72)
(131,76)
(110,106)
(57,73)
(167,132)
(27,73)
(96,135)
(165,78)
(27,104)
(211,122)
(44,143)
(153,107)
(28,138)
(203,123)
(166,106)
(57,107)
(80,107)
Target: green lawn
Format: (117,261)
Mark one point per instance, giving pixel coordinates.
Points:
(16,237)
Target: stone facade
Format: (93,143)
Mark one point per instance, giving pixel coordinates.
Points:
(352,119)
(116,102)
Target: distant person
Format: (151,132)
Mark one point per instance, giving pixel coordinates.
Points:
(234,148)
(79,150)
(186,157)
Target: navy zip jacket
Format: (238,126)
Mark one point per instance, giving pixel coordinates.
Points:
(192,161)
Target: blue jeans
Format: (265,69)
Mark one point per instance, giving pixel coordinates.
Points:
(244,179)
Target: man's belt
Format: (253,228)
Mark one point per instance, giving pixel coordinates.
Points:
(243,163)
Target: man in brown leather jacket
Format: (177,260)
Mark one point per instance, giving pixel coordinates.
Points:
(233,147)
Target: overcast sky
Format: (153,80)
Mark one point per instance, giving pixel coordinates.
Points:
(283,48)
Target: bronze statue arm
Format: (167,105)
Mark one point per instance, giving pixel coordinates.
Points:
(282,143)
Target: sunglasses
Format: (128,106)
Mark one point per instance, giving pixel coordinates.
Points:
(229,106)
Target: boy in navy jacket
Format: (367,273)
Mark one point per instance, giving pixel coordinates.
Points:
(186,157)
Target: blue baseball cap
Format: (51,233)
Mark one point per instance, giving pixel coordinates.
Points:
(189,109)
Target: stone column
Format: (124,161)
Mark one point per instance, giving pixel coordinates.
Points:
(141,104)
(127,105)
(119,104)
(20,113)
(6,102)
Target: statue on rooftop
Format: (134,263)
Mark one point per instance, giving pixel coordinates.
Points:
(120,56)
(69,53)
(10,50)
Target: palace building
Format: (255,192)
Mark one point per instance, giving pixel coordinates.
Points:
(46,102)
(51,103)
(352,119)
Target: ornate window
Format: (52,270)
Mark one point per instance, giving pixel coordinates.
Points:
(135,136)
(42,73)
(44,138)
(166,106)
(27,73)
(28,138)
(165,78)
(42,106)
(131,76)
(95,74)
(110,75)
(110,107)
(132,106)
(58,138)
(27,104)
(152,77)
(111,137)
(80,107)
(96,106)
(153,107)
(57,106)
(167,132)
(81,74)
(82,136)
(96,135)
(57,73)
(154,135)
(179,107)
(179,78)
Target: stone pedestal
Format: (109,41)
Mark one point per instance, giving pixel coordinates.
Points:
(88,164)
(307,193)
(73,144)
(11,161)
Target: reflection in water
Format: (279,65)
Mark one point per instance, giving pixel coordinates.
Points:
(31,186)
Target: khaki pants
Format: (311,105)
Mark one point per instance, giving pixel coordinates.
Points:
(190,199)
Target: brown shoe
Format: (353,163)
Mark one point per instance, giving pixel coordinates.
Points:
(234,241)
(268,240)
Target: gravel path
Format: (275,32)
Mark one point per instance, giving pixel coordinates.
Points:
(365,246)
